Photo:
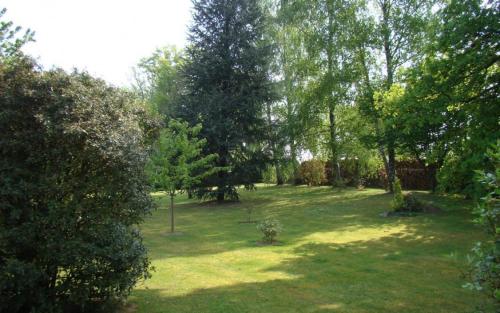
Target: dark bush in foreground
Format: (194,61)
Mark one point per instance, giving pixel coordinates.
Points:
(72,189)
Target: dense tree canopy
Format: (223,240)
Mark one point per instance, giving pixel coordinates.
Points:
(227,83)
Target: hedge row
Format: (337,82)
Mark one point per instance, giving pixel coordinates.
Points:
(411,173)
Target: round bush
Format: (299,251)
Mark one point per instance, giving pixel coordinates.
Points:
(270,227)
(72,155)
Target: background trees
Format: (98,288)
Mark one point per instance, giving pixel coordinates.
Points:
(459,81)
(271,82)
(422,74)
(157,80)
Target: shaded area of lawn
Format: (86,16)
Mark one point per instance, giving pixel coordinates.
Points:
(337,255)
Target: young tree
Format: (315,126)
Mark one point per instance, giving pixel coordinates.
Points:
(227,82)
(176,164)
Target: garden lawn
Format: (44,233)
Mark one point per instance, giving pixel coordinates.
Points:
(336,254)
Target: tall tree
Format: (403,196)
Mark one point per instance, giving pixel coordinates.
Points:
(322,58)
(227,81)
(286,35)
(397,31)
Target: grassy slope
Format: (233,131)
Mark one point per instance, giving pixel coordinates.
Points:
(337,255)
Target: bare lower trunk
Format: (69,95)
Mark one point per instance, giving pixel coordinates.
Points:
(222,175)
(333,149)
(391,174)
(172,213)
(293,155)
(279,175)
(220,196)
(381,150)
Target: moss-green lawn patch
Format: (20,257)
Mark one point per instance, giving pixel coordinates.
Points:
(336,254)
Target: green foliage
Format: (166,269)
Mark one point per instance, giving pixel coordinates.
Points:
(73,188)
(227,84)
(176,164)
(158,80)
(312,172)
(270,228)
(398,201)
(318,73)
(269,175)
(484,270)
(10,42)
(451,105)
(286,171)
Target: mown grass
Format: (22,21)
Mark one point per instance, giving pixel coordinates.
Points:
(336,255)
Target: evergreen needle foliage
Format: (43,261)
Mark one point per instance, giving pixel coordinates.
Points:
(227,84)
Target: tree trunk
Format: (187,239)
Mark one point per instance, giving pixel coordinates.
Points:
(376,121)
(222,177)
(391,174)
(279,175)
(295,163)
(220,189)
(172,228)
(389,60)
(330,98)
(333,148)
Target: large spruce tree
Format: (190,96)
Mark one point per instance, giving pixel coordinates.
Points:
(227,84)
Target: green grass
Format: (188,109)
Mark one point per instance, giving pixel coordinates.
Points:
(336,255)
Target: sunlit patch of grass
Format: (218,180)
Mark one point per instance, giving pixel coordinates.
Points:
(336,254)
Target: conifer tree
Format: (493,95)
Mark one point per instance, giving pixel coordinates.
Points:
(227,84)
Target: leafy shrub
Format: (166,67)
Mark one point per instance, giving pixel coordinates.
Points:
(312,172)
(484,271)
(270,227)
(269,175)
(411,203)
(398,201)
(72,156)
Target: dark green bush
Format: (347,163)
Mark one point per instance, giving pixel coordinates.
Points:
(72,189)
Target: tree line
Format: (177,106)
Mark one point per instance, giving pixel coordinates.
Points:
(375,81)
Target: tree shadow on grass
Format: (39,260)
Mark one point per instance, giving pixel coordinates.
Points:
(401,272)
(216,229)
